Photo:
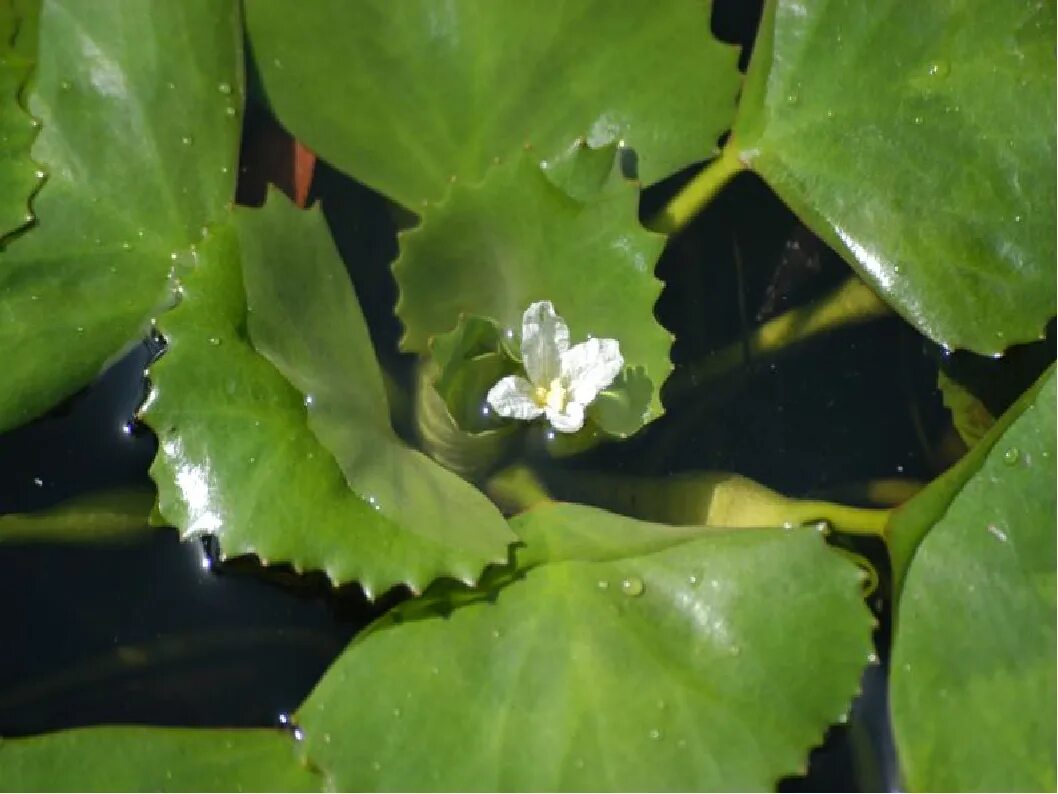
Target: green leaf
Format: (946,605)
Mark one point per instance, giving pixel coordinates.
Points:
(492,249)
(921,146)
(274,427)
(450,393)
(132,758)
(18,173)
(140,107)
(973,686)
(969,415)
(623,655)
(428,92)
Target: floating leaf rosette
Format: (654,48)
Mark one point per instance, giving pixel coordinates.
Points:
(518,238)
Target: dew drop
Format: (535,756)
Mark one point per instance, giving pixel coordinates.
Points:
(65,85)
(939,69)
(38,482)
(1010,457)
(602,584)
(655,734)
(230,110)
(692,580)
(632,586)
(187,140)
(397,712)
(224,88)
(998,533)
(215,341)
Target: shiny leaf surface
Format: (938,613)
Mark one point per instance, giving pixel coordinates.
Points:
(139,104)
(920,143)
(621,656)
(484,251)
(973,685)
(274,426)
(18,173)
(426,92)
(130,758)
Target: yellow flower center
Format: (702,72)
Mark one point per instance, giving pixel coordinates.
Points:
(554,396)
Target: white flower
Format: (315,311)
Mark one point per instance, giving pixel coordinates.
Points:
(563,380)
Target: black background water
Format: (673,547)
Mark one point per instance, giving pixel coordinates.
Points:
(151,631)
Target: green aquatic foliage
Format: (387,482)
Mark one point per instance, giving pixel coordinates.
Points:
(127,758)
(973,686)
(248,412)
(595,264)
(916,141)
(429,93)
(623,655)
(140,108)
(19,176)
(571,647)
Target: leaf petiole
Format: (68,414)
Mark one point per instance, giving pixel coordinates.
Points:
(686,204)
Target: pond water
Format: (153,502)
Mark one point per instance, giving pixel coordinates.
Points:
(153,631)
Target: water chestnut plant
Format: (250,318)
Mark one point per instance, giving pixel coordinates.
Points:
(434,297)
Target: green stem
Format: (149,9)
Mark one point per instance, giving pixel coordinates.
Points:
(516,489)
(705,498)
(841,518)
(682,208)
(851,303)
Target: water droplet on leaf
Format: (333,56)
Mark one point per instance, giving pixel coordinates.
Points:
(632,586)
(939,69)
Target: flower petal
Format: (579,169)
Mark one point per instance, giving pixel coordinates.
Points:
(569,420)
(545,337)
(513,397)
(590,367)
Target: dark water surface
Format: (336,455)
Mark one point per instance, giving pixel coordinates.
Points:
(151,631)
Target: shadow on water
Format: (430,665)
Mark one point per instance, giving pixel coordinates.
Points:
(151,631)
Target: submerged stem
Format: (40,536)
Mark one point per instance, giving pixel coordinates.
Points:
(704,498)
(841,518)
(102,517)
(682,208)
(851,303)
